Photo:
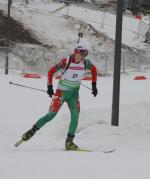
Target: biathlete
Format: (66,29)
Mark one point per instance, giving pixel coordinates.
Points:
(67,91)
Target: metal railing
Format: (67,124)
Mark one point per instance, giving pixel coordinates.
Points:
(88,13)
(27,59)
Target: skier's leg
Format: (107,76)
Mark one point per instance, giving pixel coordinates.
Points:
(74,106)
(54,108)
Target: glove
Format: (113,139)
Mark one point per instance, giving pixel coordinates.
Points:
(94,89)
(50,91)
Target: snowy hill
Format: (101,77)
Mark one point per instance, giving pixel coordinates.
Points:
(60,33)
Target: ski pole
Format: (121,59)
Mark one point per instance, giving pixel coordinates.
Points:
(11,83)
(86,87)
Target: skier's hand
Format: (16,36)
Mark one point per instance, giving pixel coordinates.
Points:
(94,89)
(50,91)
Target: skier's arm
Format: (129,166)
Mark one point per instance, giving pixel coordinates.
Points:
(94,73)
(54,69)
(94,79)
(92,68)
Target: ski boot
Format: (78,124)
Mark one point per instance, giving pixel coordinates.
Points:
(69,144)
(26,136)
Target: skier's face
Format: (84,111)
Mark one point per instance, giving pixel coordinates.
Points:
(80,55)
(78,58)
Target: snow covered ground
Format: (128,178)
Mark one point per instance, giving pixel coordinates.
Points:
(43,157)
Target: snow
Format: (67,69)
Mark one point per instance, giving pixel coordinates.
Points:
(61,33)
(43,156)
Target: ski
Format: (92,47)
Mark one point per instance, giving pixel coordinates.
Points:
(74,150)
(19,142)
(90,150)
(79,150)
(109,151)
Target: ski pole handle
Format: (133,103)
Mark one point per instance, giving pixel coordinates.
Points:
(11,83)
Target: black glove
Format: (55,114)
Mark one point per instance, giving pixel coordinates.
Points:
(50,91)
(94,89)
